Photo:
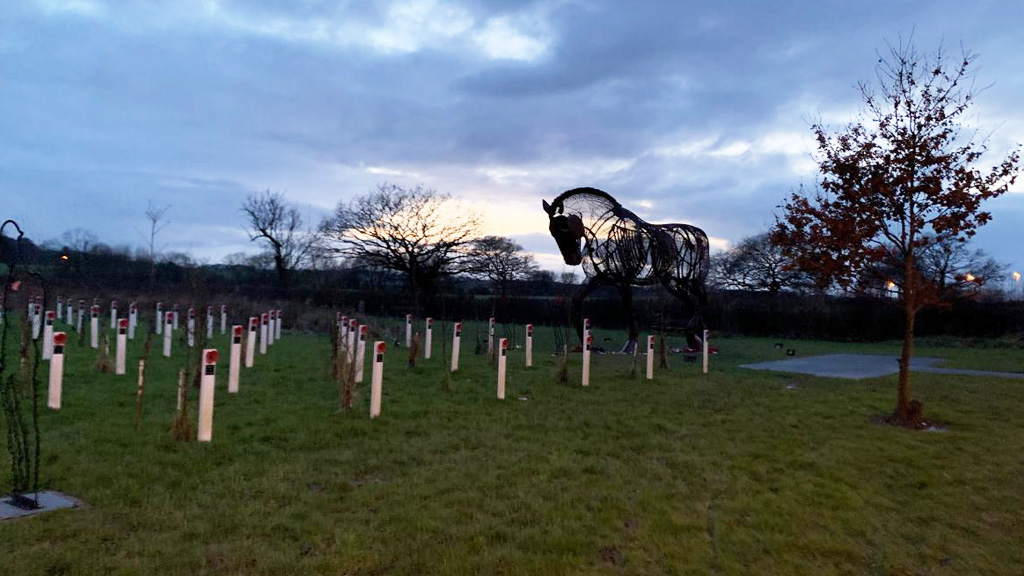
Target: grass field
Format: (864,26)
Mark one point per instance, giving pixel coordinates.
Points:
(736,472)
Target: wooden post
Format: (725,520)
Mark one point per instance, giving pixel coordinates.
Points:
(376,378)
(588,341)
(361,352)
(705,351)
(250,342)
(650,357)
(235,358)
(502,360)
(428,338)
(121,353)
(168,332)
(206,388)
(456,340)
(56,370)
(94,326)
(529,345)
(48,334)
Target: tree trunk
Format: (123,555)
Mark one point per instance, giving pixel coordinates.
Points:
(908,412)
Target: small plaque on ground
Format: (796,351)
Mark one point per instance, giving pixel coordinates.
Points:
(48,500)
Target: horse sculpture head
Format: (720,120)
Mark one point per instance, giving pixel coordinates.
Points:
(567,230)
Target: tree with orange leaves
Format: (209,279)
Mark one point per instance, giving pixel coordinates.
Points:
(897,180)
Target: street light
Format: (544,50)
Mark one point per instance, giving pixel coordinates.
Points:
(969,277)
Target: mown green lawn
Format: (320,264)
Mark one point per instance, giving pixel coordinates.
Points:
(735,472)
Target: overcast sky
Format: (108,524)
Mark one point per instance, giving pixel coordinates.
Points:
(692,112)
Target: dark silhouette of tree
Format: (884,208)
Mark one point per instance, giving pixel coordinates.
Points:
(418,232)
(893,183)
(757,264)
(270,218)
(501,261)
(157,222)
(946,264)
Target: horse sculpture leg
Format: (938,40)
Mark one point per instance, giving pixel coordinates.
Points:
(626,293)
(694,299)
(577,304)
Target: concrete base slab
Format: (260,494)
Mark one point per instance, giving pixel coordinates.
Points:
(858,366)
(48,500)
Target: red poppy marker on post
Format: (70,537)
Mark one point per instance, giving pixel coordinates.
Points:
(361,352)
(206,387)
(122,347)
(428,339)
(529,345)
(376,378)
(456,341)
(235,358)
(48,334)
(168,332)
(250,342)
(94,326)
(588,341)
(56,370)
(502,361)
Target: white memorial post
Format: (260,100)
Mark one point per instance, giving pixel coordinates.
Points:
(190,327)
(277,326)
(81,316)
(250,342)
(122,347)
(376,378)
(69,311)
(705,351)
(31,305)
(37,320)
(113,314)
(529,345)
(235,358)
(48,334)
(339,323)
(408,330)
(588,341)
(60,308)
(490,338)
(94,326)
(361,352)
(353,329)
(223,319)
(650,357)
(206,386)
(270,327)
(456,340)
(209,322)
(502,360)
(159,318)
(264,321)
(428,338)
(133,319)
(168,332)
(176,315)
(56,370)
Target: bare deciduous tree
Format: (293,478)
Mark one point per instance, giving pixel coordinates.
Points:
(418,232)
(501,261)
(269,217)
(755,263)
(155,215)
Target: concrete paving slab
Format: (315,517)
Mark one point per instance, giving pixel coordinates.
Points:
(859,366)
(48,500)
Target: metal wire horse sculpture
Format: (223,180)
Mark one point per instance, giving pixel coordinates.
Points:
(617,248)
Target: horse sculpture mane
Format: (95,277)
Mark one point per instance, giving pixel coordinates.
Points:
(618,248)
